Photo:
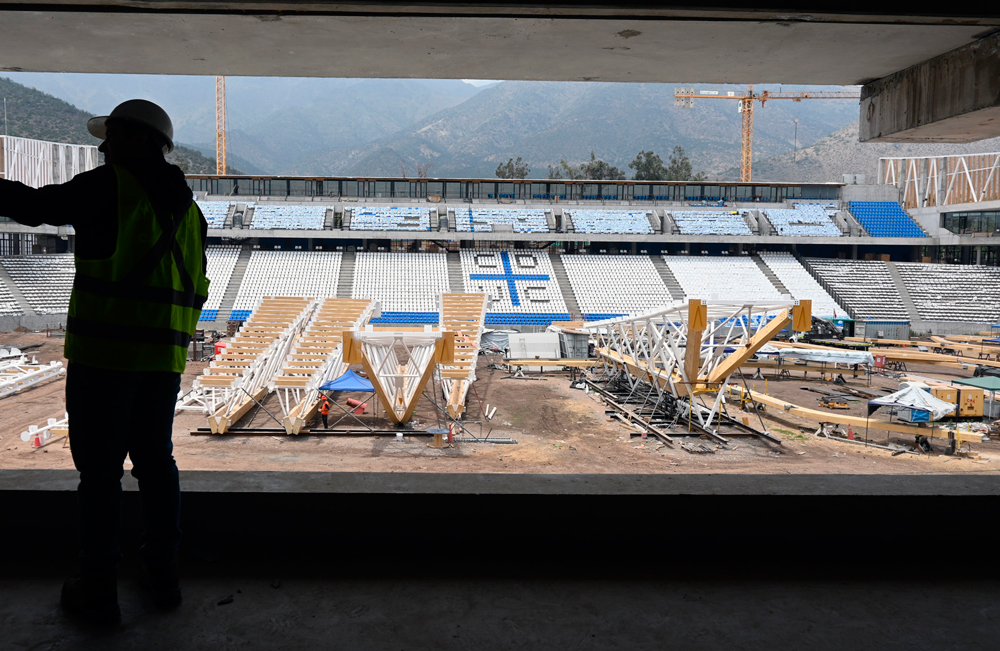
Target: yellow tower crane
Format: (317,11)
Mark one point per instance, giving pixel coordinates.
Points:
(684,98)
(220,126)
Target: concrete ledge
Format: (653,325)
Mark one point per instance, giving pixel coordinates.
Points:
(954,97)
(335,483)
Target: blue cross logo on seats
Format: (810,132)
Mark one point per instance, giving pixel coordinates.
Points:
(509,276)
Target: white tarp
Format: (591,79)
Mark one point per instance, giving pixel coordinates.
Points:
(829,356)
(916,399)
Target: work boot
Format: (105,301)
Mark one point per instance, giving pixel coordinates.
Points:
(162,582)
(93,597)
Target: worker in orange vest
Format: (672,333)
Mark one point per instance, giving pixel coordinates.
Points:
(324,411)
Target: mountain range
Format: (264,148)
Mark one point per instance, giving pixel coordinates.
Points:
(390,127)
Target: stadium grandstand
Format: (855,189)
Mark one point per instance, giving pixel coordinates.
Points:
(560,250)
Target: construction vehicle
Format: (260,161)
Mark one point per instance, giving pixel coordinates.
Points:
(823,330)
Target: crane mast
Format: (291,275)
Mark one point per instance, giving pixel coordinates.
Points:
(684,98)
(220,126)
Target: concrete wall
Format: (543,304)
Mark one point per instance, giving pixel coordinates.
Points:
(869,193)
(34,323)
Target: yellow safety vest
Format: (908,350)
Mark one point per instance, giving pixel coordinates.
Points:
(138,309)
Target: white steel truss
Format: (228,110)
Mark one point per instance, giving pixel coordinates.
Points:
(238,378)
(687,360)
(317,357)
(55,427)
(928,181)
(17,373)
(465,315)
(399,384)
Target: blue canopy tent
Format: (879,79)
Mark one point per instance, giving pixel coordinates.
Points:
(349,381)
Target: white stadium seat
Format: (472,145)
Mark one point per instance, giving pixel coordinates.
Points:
(390,218)
(401,282)
(606,285)
(482,220)
(312,274)
(710,222)
(303,218)
(610,221)
(45,281)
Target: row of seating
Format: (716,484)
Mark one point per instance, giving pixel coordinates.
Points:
(483,220)
(967,293)
(45,281)
(221,262)
(865,287)
(215,212)
(519,281)
(801,284)
(401,282)
(804,219)
(884,219)
(610,221)
(390,218)
(724,278)
(623,284)
(710,222)
(308,218)
(288,273)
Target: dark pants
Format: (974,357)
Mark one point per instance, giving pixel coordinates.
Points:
(111,414)
(326,425)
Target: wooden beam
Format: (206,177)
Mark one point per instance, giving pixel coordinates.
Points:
(763,335)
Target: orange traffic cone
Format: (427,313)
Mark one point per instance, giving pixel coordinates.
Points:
(850,433)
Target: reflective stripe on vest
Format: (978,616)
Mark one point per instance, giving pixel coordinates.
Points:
(137,310)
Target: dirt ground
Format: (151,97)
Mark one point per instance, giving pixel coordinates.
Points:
(558,430)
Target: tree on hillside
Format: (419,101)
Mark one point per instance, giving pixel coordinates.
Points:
(648,167)
(513,169)
(595,169)
(680,169)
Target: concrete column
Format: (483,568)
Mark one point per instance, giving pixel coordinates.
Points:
(687,248)
(954,97)
(854,252)
(979,255)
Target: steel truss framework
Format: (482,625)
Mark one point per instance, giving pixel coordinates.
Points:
(316,358)
(400,364)
(465,315)
(651,352)
(17,373)
(239,377)
(928,181)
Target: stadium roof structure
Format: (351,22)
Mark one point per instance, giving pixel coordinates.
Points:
(912,62)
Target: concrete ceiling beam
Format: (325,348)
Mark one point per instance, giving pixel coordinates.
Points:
(954,97)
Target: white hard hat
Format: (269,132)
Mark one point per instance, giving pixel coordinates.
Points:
(141,112)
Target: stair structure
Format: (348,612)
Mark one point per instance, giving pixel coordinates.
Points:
(229,298)
(764,224)
(328,219)
(654,221)
(16,293)
(674,287)
(766,270)
(559,271)
(456,282)
(904,293)
(345,282)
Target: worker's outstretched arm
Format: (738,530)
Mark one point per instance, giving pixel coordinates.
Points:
(88,198)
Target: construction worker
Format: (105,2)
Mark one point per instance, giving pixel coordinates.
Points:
(324,411)
(137,294)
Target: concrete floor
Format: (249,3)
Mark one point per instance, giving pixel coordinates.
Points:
(531,613)
(575,562)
